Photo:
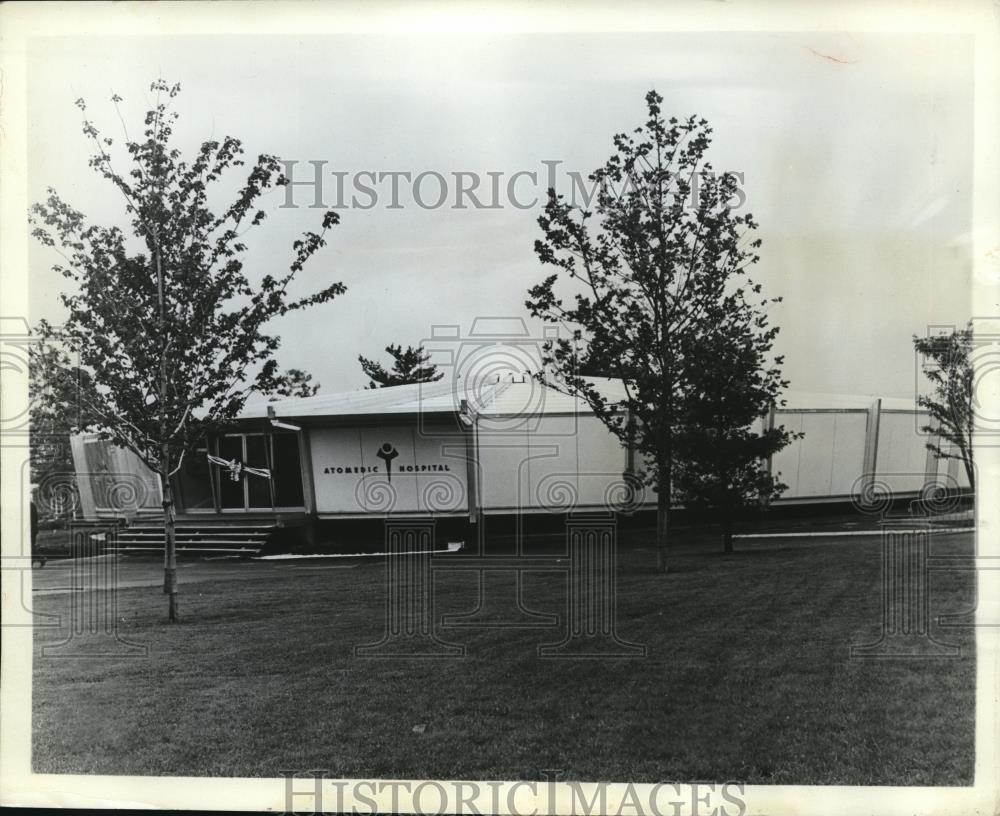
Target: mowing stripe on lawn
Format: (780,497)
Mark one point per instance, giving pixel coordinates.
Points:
(843,533)
(318,566)
(453,546)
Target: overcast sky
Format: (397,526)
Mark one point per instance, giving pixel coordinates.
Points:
(856,150)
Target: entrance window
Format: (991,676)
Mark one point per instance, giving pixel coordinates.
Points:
(258,488)
(286,470)
(206,487)
(195,482)
(231,492)
(277,453)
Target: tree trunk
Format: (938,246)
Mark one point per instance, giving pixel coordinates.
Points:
(170,542)
(727,532)
(662,519)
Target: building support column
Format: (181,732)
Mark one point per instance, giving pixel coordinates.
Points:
(472,470)
(870,464)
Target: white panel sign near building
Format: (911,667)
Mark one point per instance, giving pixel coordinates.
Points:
(390,468)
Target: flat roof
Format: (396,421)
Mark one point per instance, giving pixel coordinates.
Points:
(498,396)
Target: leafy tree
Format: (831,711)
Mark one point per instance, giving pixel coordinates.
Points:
(409,366)
(640,279)
(163,317)
(951,375)
(294,383)
(721,457)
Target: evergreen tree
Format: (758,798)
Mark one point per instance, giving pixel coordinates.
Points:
(722,455)
(294,383)
(408,366)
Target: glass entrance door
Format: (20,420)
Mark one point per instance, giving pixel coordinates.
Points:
(258,488)
(249,492)
(206,488)
(277,453)
(286,469)
(232,494)
(194,483)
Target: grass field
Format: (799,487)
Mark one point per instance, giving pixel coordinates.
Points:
(747,679)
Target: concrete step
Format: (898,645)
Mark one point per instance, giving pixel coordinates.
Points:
(208,536)
(198,524)
(185,550)
(205,531)
(121,539)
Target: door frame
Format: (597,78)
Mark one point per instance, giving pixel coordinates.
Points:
(216,475)
(245,480)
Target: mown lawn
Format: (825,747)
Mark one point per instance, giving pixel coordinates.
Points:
(748,678)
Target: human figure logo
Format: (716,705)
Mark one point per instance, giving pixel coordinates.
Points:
(387,453)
